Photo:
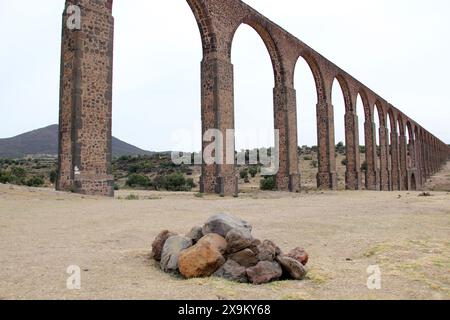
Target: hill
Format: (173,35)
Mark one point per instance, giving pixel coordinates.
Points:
(44,141)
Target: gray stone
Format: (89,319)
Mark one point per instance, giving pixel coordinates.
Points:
(264,272)
(292,267)
(222,223)
(267,251)
(246,258)
(232,271)
(195,234)
(171,252)
(238,240)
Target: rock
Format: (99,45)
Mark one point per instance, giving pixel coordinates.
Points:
(267,251)
(216,241)
(300,255)
(195,234)
(201,260)
(238,239)
(246,258)
(264,272)
(292,267)
(232,271)
(171,252)
(254,245)
(158,244)
(222,223)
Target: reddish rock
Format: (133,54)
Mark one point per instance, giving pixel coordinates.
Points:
(158,244)
(292,267)
(300,255)
(254,245)
(238,239)
(246,258)
(264,272)
(216,241)
(201,260)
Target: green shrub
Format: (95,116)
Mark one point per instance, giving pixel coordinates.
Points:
(138,180)
(190,183)
(268,183)
(344,162)
(243,174)
(253,170)
(132,197)
(35,182)
(52,176)
(5,177)
(364,166)
(19,172)
(307,158)
(176,182)
(159,182)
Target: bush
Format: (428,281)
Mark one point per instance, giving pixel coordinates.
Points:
(268,183)
(190,183)
(5,177)
(53,174)
(307,158)
(344,162)
(362,149)
(364,166)
(35,182)
(138,180)
(132,197)
(159,182)
(244,174)
(340,148)
(253,171)
(176,182)
(19,172)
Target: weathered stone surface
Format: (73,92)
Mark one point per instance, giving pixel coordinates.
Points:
(300,255)
(222,223)
(232,271)
(264,272)
(201,260)
(171,252)
(292,267)
(267,251)
(246,258)
(238,239)
(216,241)
(254,245)
(195,234)
(158,243)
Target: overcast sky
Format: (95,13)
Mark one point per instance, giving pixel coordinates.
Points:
(400,49)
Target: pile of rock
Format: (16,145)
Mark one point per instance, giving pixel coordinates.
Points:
(224,247)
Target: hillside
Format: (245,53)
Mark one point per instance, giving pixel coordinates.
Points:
(44,141)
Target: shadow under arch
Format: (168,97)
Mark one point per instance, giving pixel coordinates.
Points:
(258,25)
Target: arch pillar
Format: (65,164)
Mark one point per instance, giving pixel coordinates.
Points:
(394,160)
(285,121)
(353,173)
(326,177)
(217,99)
(384,175)
(85,117)
(371,155)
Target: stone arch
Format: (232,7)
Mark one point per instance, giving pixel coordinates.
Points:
(378,107)
(316,72)
(257,24)
(208,36)
(367,110)
(346,92)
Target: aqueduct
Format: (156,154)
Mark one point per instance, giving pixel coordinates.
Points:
(398,163)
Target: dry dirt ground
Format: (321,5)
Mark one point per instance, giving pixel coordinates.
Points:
(42,232)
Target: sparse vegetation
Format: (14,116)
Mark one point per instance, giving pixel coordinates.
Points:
(268,183)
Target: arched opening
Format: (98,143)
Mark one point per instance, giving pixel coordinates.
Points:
(147,94)
(253,104)
(410,161)
(305,86)
(361,113)
(338,102)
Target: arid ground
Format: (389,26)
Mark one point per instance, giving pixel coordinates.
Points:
(42,232)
